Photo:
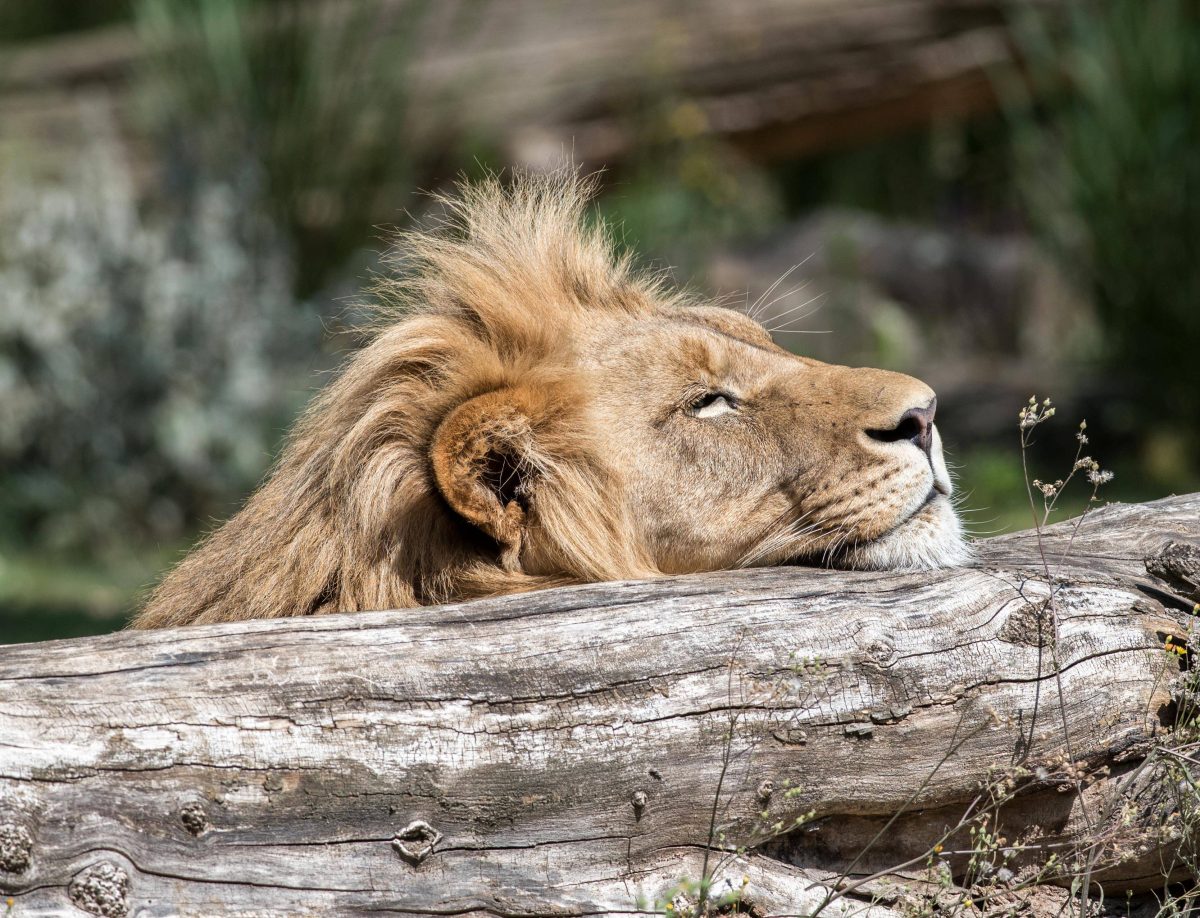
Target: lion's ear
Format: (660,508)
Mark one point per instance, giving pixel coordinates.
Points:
(484,460)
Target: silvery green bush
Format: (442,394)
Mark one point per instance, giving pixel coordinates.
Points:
(148,362)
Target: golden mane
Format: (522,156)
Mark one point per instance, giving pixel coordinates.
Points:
(351,517)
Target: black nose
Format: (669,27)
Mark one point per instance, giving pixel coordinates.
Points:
(915,425)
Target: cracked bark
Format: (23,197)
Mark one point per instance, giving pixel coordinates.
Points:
(558,753)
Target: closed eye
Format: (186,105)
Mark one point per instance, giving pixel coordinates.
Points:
(712,404)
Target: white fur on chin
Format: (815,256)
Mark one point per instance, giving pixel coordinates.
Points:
(932,539)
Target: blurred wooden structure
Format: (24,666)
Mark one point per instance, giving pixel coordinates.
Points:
(776,78)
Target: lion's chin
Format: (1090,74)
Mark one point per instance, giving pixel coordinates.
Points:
(932,538)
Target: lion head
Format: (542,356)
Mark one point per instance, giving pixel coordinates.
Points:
(532,412)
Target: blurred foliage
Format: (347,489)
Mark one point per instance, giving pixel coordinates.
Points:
(154,346)
(313,96)
(21,20)
(954,170)
(991,486)
(685,194)
(147,362)
(1109,170)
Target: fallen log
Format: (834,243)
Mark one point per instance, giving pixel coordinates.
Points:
(776,80)
(788,732)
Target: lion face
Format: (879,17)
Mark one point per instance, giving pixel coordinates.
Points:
(734,452)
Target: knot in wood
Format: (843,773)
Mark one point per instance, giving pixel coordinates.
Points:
(1179,564)
(101,889)
(194,819)
(1028,625)
(792,736)
(16,848)
(878,645)
(416,840)
(639,801)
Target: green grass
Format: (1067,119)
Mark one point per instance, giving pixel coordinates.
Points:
(991,486)
(46,597)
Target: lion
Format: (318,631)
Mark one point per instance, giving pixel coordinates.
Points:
(532,411)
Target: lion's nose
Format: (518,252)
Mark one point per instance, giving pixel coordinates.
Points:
(915,425)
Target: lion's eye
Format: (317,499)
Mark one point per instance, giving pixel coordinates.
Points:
(712,404)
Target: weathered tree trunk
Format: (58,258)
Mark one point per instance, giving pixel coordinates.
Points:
(564,752)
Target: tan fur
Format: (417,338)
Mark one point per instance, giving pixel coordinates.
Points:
(524,417)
